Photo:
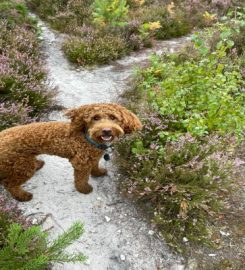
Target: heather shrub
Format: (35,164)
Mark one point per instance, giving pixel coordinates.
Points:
(129,23)
(81,8)
(14,114)
(181,183)
(90,50)
(130,33)
(69,18)
(14,13)
(62,19)
(24,90)
(46,8)
(173,23)
(22,75)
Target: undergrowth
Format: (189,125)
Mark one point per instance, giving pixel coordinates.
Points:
(24,246)
(192,106)
(125,25)
(25,94)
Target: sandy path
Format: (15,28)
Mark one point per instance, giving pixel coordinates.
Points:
(116,236)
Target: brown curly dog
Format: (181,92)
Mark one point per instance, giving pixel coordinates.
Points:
(82,141)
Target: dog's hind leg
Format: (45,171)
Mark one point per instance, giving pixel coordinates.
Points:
(18,193)
(22,170)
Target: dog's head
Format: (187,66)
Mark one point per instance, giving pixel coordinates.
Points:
(104,122)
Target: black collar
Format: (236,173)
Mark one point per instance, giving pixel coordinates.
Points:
(97,145)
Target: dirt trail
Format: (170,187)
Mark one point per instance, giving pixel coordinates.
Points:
(116,236)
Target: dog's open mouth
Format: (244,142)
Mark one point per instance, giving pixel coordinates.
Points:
(107,138)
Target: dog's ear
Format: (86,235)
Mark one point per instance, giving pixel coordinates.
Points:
(78,118)
(131,122)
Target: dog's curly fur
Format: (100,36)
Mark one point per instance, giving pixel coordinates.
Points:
(20,145)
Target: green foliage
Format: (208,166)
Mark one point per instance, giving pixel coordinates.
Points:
(15,13)
(114,18)
(171,26)
(92,51)
(112,12)
(46,8)
(28,249)
(193,97)
(179,166)
(202,94)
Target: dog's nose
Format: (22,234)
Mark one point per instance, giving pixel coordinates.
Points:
(106,131)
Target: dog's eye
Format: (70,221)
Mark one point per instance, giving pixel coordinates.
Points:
(112,117)
(96,118)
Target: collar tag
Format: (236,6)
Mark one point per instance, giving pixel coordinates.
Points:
(107,157)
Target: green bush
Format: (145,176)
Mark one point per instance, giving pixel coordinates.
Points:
(112,12)
(89,51)
(28,249)
(200,94)
(193,97)
(14,13)
(171,26)
(46,8)
(115,19)
(25,247)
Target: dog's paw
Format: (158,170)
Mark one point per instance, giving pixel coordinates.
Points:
(39,164)
(99,172)
(85,189)
(23,197)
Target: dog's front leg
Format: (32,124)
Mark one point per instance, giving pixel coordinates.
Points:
(96,171)
(81,181)
(81,174)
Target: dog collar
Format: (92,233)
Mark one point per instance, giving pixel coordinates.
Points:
(97,145)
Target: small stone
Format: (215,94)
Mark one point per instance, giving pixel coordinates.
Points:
(185,239)
(99,199)
(87,262)
(151,232)
(34,221)
(177,267)
(212,255)
(107,219)
(119,231)
(122,257)
(224,233)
